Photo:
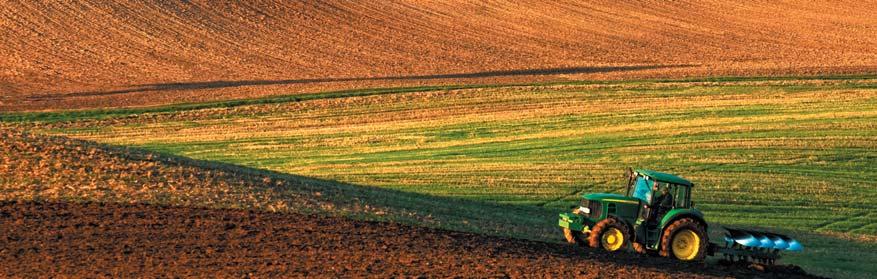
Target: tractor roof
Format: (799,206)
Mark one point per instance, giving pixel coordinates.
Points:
(665,177)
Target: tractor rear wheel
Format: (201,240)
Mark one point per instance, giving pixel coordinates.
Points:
(685,240)
(609,234)
(574,237)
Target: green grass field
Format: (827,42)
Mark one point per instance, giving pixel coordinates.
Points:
(796,156)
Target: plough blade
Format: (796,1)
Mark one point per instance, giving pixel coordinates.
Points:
(748,246)
(778,242)
(755,239)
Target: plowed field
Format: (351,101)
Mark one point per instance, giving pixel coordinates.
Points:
(111,240)
(88,54)
(405,138)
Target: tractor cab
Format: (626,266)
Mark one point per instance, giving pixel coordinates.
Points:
(642,185)
(658,194)
(648,186)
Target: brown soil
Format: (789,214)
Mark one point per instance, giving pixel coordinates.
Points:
(87,54)
(35,167)
(114,240)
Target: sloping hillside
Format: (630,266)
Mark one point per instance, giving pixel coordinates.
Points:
(86,54)
(75,208)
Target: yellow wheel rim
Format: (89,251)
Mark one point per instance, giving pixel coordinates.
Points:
(686,244)
(612,239)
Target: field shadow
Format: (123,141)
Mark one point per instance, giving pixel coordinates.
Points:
(240,83)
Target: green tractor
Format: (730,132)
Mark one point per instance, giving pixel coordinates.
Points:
(657,216)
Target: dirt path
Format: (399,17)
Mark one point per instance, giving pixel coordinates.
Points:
(112,240)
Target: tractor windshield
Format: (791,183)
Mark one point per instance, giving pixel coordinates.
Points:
(642,189)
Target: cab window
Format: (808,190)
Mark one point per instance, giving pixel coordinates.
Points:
(681,196)
(643,189)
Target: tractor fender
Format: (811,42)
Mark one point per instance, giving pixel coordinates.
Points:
(623,221)
(679,213)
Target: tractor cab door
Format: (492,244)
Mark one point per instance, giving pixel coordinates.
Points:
(642,190)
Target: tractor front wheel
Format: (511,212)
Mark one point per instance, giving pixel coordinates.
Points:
(609,234)
(685,240)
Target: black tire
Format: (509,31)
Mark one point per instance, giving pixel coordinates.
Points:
(609,225)
(678,232)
